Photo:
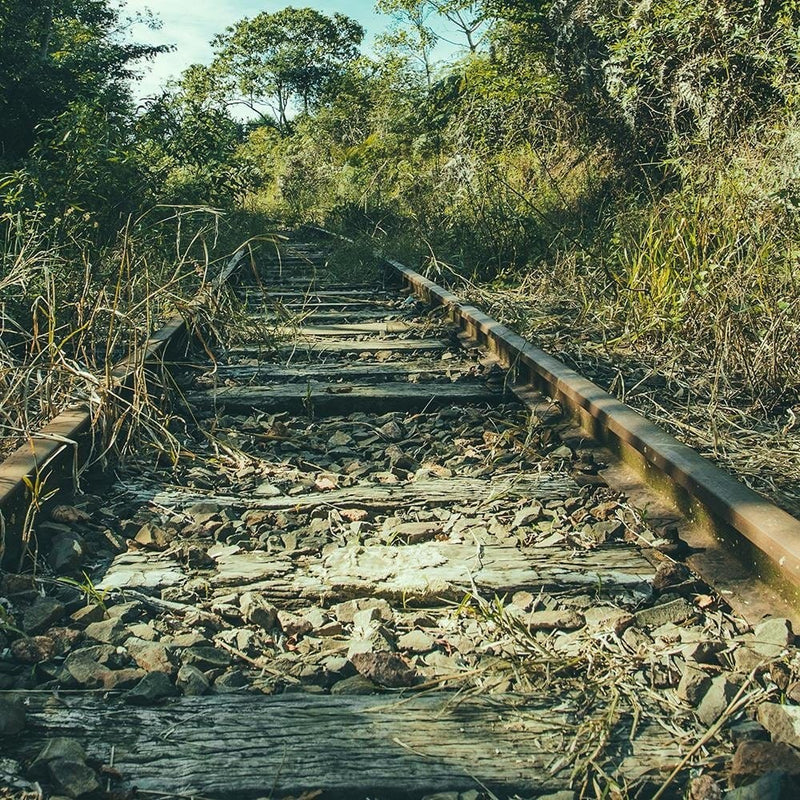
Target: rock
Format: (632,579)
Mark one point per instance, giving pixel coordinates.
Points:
(266,490)
(675,611)
(745,659)
(127,612)
(782,721)
(155,686)
(66,553)
(45,612)
(150,656)
(754,759)
(702,651)
(670,573)
(191,681)
(345,612)
(748,731)
(206,657)
(84,669)
(257,610)
(356,684)
(33,649)
(12,716)
(385,668)
(152,537)
(566,794)
(233,680)
(73,778)
(637,640)
(693,685)
(704,787)
(118,679)
(561,452)
(553,620)
(775,785)
(773,636)
(716,699)
(416,642)
(58,749)
(527,515)
(108,631)
(340,439)
(88,614)
(62,762)
(293,625)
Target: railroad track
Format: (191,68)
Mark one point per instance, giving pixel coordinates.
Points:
(374,572)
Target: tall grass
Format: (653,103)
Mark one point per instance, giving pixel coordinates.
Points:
(71,310)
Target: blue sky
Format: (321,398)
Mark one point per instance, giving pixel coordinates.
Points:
(189,25)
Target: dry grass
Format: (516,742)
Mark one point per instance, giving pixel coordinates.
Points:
(74,311)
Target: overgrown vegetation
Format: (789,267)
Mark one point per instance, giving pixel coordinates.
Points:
(619,180)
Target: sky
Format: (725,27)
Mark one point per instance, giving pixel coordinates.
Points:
(190,25)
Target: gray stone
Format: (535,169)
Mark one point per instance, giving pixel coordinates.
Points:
(233,680)
(693,685)
(356,684)
(782,721)
(150,656)
(566,794)
(676,611)
(716,699)
(292,624)
(127,612)
(154,687)
(191,681)
(257,610)
(416,642)
(73,778)
(108,631)
(12,716)
(206,657)
(45,612)
(702,652)
(748,731)
(553,620)
(773,636)
(66,553)
(58,749)
(775,785)
(88,614)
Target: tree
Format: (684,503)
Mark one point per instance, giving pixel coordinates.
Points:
(55,55)
(289,56)
(470,19)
